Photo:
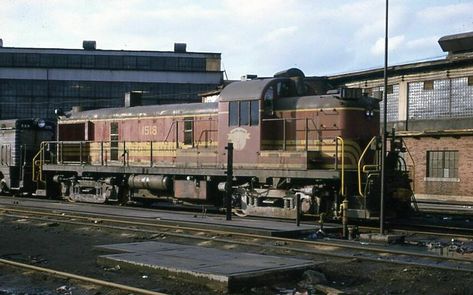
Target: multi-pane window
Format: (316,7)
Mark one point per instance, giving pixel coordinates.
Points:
(243,113)
(99,61)
(446,98)
(48,95)
(188,131)
(114,141)
(442,164)
(393,101)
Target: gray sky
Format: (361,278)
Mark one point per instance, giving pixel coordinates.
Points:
(258,37)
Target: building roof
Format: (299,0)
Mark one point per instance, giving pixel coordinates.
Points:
(456,61)
(107,52)
(457,43)
(460,47)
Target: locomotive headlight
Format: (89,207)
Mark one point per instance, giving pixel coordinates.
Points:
(41,123)
(369,113)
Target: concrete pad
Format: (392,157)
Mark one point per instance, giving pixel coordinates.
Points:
(217,269)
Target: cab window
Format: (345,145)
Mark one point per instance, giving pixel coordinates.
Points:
(268,101)
(284,89)
(188,131)
(243,113)
(254,112)
(233,113)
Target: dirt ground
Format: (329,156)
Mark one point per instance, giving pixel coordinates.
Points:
(71,248)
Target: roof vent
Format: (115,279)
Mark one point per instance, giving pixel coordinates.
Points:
(89,45)
(457,43)
(248,77)
(180,47)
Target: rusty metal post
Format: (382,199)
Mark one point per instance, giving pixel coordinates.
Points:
(298,209)
(229,184)
(345,218)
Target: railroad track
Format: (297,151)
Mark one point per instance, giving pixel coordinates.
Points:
(79,278)
(437,230)
(227,237)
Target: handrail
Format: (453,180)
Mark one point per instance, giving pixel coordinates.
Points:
(41,160)
(413,168)
(95,152)
(306,130)
(205,133)
(343,165)
(175,126)
(359,165)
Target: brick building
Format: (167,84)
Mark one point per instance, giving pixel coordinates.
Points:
(430,104)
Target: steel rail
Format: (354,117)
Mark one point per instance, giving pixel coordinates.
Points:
(80,278)
(339,245)
(420,232)
(235,233)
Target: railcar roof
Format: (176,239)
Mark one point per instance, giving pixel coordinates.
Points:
(145,111)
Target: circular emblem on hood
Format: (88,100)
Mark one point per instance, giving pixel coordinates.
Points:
(238,137)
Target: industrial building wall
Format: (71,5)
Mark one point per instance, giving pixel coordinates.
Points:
(39,98)
(36,81)
(424,97)
(442,169)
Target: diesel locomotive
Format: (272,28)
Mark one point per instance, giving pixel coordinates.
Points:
(290,147)
(20,140)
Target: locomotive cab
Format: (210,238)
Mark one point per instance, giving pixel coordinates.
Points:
(247,118)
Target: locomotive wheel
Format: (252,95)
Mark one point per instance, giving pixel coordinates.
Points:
(240,206)
(240,212)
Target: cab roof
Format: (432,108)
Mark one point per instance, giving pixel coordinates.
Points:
(246,90)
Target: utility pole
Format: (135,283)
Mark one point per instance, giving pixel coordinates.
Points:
(385,121)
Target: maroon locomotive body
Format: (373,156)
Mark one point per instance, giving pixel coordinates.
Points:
(288,145)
